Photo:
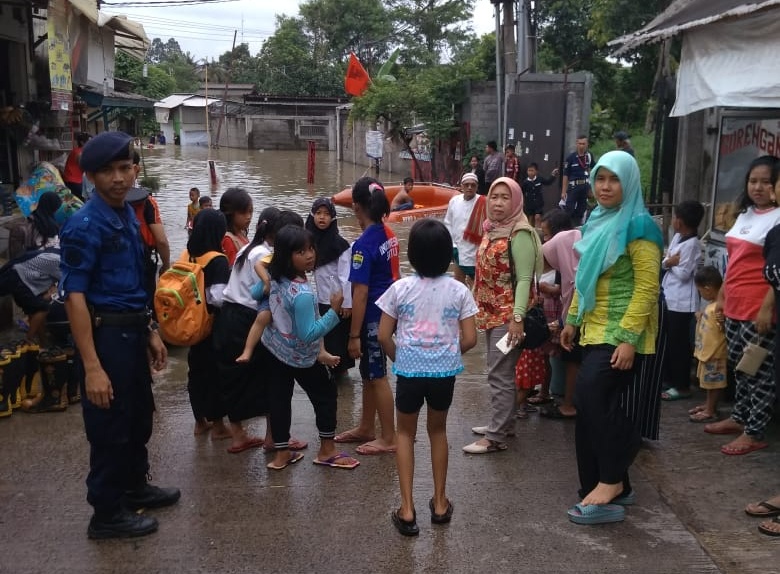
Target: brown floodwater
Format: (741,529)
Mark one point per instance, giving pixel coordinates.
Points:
(272,178)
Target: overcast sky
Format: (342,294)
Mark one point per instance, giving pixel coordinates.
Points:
(206,31)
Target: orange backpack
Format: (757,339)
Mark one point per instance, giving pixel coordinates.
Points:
(180,301)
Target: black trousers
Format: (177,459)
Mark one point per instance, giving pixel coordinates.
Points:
(319,386)
(242,386)
(678,353)
(336,341)
(118,435)
(203,381)
(605,438)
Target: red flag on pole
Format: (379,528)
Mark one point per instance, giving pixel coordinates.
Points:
(357,80)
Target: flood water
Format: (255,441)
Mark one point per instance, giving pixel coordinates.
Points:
(272,178)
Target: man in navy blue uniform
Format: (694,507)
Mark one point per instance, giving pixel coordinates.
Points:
(575,187)
(103,287)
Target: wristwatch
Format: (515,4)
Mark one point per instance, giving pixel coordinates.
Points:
(154,326)
(518,318)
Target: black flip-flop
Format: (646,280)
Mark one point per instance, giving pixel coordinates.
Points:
(772,510)
(764,530)
(405,527)
(441,518)
(554,412)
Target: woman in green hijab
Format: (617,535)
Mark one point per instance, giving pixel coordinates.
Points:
(615,308)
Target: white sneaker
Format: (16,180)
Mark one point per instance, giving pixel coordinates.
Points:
(475,448)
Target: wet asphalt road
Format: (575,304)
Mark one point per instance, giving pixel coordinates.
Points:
(510,507)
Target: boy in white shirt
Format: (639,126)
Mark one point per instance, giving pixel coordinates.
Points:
(681,299)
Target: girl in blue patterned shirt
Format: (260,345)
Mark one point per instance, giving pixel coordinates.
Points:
(292,342)
(432,316)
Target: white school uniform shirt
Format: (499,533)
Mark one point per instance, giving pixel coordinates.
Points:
(457,218)
(335,277)
(680,291)
(239,287)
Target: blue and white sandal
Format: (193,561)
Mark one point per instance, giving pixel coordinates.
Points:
(596,513)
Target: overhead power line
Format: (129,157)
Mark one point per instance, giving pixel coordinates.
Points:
(163,3)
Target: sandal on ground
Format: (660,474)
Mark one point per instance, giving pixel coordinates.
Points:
(349,436)
(540,400)
(294,457)
(596,513)
(672,394)
(405,527)
(702,417)
(770,510)
(441,518)
(770,527)
(340,460)
(554,412)
(732,449)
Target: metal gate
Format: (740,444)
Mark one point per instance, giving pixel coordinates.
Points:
(535,124)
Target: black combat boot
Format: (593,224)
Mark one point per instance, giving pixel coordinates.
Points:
(150,496)
(121,524)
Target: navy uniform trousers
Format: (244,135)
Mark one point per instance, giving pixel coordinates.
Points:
(118,435)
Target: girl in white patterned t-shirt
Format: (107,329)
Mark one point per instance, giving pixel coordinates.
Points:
(432,316)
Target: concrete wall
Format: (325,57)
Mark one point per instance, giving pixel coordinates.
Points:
(481,111)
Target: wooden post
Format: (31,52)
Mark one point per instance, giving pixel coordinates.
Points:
(311,160)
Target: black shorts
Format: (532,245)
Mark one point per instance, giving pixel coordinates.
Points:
(12,284)
(411,392)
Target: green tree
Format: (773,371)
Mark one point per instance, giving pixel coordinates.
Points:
(160,51)
(338,27)
(237,65)
(287,66)
(428,30)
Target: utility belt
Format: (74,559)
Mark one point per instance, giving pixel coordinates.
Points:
(576,182)
(101,318)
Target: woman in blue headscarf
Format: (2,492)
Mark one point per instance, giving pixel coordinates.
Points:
(615,308)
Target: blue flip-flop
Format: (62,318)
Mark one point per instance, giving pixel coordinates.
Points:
(596,513)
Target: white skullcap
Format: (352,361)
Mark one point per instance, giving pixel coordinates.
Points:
(469,177)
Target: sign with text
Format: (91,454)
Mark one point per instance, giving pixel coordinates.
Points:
(742,139)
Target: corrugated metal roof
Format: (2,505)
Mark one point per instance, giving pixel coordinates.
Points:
(687,14)
(198,102)
(173,101)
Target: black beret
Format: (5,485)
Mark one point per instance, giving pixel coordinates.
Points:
(105,148)
(621,135)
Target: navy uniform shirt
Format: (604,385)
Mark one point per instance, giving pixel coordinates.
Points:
(103,257)
(578,167)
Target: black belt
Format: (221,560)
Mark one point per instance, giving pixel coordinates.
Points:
(120,319)
(578,182)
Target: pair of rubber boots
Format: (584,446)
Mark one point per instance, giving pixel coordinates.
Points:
(58,384)
(36,381)
(18,374)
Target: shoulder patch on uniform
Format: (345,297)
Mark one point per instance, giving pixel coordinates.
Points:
(357,260)
(72,256)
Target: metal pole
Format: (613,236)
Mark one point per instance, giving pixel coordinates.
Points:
(499,74)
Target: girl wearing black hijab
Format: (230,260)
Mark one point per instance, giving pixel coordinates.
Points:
(331,274)
(208,230)
(44,225)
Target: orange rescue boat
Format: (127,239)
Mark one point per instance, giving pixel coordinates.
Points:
(430,200)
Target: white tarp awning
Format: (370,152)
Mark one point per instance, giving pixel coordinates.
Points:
(87,7)
(129,36)
(730,63)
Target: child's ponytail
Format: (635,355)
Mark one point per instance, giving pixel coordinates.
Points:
(369,194)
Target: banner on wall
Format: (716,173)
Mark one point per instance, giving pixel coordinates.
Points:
(743,137)
(59,56)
